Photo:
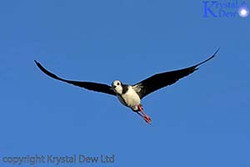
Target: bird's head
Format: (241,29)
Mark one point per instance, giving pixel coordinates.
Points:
(117,87)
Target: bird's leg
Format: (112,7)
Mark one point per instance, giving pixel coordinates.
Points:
(146,118)
(140,114)
(143,114)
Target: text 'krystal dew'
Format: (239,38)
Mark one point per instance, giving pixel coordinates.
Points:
(57,160)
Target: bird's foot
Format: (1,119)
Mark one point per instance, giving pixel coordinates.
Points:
(147,119)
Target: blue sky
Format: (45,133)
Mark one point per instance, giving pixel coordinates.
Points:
(203,120)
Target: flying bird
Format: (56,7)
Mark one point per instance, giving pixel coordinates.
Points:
(131,95)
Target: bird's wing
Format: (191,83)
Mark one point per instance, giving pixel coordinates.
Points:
(161,80)
(87,85)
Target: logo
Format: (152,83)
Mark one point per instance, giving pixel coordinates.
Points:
(225,9)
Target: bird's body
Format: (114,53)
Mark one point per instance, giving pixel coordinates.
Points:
(130,98)
(131,95)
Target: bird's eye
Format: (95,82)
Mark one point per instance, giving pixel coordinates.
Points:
(118,83)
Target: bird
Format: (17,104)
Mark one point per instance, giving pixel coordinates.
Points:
(131,95)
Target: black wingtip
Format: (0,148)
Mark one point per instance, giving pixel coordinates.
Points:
(215,53)
(46,71)
(37,63)
(40,66)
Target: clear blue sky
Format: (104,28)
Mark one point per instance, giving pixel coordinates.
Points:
(203,120)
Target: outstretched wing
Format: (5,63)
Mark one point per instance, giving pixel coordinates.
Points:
(161,80)
(87,85)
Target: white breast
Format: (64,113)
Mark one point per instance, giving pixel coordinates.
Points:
(130,99)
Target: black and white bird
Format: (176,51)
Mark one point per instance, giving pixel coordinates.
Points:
(131,95)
